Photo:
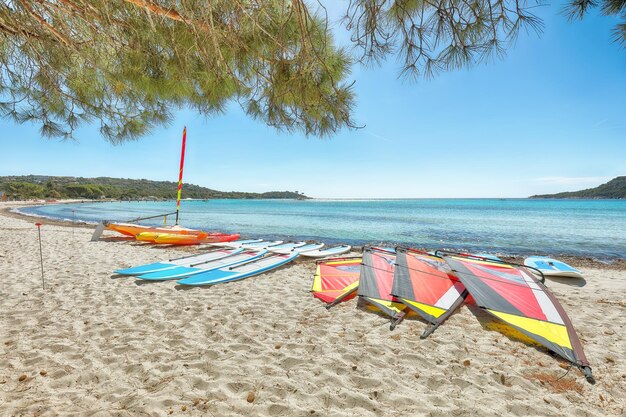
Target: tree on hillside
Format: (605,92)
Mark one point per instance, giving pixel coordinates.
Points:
(129,64)
(19,190)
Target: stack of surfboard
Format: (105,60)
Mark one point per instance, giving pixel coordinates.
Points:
(232,261)
(311,250)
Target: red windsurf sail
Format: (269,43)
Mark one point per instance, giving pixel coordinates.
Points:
(336,280)
(427,285)
(377,271)
(514,295)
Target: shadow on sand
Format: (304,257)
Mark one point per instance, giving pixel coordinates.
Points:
(179,287)
(572,282)
(117,239)
(118,276)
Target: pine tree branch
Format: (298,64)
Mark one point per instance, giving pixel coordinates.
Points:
(43,21)
(156,9)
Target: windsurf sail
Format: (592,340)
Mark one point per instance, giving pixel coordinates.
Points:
(336,280)
(513,294)
(427,285)
(376,280)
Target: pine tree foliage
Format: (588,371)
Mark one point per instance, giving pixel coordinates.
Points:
(576,9)
(430,36)
(129,64)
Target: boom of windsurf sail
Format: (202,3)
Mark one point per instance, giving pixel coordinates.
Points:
(376,280)
(513,294)
(426,284)
(336,280)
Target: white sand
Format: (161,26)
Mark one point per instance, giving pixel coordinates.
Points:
(114,346)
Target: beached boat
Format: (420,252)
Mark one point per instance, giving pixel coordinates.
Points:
(173,239)
(131,229)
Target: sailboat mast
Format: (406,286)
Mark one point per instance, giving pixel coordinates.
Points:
(180,173)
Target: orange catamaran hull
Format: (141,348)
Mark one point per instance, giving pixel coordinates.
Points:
(130,229)
(171,239)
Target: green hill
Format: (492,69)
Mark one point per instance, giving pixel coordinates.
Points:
(616,188)
(43,186)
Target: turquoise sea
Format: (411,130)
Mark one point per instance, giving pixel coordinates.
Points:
(595,228)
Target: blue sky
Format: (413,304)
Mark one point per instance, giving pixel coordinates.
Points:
(549,117)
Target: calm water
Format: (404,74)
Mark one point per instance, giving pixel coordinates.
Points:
(513,226)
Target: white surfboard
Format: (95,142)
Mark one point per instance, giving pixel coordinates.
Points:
(332,251)
(552,267)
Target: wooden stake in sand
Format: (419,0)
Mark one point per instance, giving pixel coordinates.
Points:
(43,283)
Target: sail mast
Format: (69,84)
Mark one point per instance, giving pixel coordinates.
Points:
(180,173)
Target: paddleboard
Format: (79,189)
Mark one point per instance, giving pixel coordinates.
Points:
(263,244)
(184,261)
(552,267)
(322,253)
(237,272)
(301,249)
(236,243)
(198,268)
(288,246)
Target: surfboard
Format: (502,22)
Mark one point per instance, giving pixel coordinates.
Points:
(261,244)
(288,246)
(198,268)
(184,261)
(236,243)
(301,249)
(552,267)
(322,253)
(241,271)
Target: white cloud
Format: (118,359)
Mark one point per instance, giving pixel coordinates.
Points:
(374,135)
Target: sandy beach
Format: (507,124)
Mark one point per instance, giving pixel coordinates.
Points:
(93,343)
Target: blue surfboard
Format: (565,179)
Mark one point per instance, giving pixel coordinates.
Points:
(184,261)
(185,271)
(237,272)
